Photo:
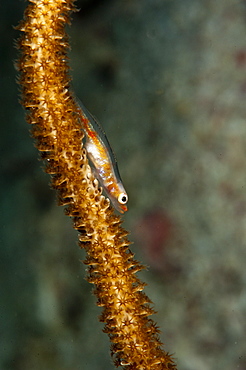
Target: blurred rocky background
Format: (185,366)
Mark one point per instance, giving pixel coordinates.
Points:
(167,79)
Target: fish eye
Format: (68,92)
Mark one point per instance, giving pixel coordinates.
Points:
(122,198)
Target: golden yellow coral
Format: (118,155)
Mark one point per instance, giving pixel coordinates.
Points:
(57,131)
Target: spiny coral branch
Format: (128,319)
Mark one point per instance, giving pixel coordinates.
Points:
(57,131)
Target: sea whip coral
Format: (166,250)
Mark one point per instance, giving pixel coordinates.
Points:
(56,128)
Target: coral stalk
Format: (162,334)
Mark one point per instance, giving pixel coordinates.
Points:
(56,128)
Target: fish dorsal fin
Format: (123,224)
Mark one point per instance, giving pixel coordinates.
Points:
(97,127)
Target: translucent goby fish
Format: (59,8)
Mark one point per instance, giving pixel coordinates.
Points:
(103,159)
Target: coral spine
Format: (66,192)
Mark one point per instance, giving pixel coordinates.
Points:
(56,128)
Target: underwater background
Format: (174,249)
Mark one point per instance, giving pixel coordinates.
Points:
(167,79)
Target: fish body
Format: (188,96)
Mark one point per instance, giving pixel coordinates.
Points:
(103,159)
